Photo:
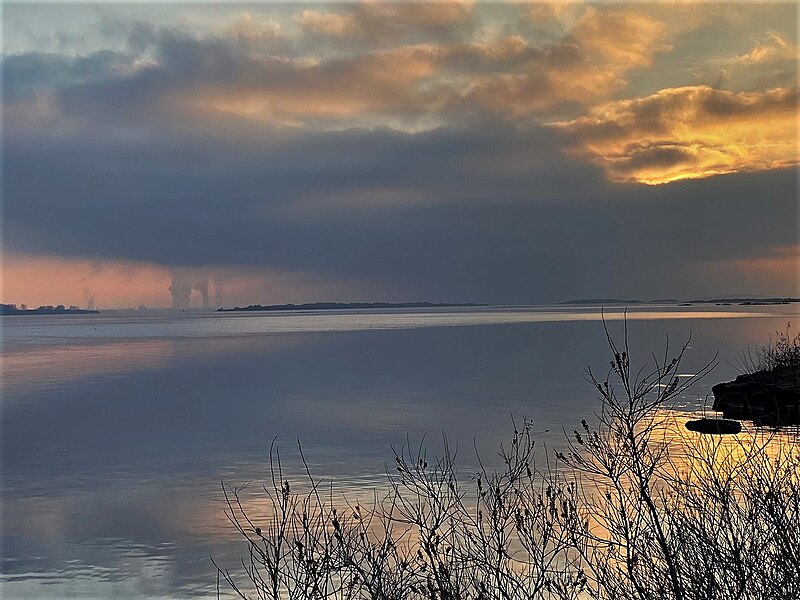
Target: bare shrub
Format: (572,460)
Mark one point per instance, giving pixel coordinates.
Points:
(672,515)
(633,507)
(425,538)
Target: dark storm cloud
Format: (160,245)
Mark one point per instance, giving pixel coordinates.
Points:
(26,74)
(542,230)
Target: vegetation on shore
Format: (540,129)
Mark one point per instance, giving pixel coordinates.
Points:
(780,352)
(634,507)
(13,309)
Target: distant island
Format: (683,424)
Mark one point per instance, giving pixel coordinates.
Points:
(346,305)
(596,301)
(12,309)
(747,301)
(721,301)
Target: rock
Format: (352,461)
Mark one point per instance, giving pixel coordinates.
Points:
(765,397)
(714,426)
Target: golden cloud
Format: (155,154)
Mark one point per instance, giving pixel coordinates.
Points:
(398,65)
(332,24)
(559,12)
(504,75)
(291,91)
(588,65)
(388,21)
(621,37)
(774,47)
(255,31)
(688,133)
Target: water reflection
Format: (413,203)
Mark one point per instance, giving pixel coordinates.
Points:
(115,441)
(41,368)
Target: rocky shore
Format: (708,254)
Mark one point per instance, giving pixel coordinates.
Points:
(770,398)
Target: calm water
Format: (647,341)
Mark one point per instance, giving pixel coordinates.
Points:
(117,429)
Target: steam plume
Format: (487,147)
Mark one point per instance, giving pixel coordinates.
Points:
(201,285)
(181,290)
(219,289)
(88,298)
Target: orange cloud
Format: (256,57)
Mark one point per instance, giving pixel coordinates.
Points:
(773,48)
(291,91)
(319,23)
(622,38)
(505,75)
(381,22)
(542,13)
(587,65)
(689,132)
(256,32)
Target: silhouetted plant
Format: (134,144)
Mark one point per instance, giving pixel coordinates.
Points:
(781,352)
(631,509)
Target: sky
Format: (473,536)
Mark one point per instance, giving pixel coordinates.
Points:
(509,153)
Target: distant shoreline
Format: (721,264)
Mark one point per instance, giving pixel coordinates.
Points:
(740,301)
(12,310)
(346,305)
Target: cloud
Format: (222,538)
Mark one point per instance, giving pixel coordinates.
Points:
(771,62)
(252,29)
(211,81)
(565,12)
(293,91)
(687,133)
(329,24)
(249,71)
(774,47)
(588,64)
(501,216)
(414,165)
(623,38)
(378,24)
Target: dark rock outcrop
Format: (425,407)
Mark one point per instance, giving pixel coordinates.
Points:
(769,398)
(714,426)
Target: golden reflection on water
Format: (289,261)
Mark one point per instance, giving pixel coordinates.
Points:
(691,454)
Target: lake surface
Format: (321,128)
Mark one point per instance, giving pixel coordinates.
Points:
(118,428)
